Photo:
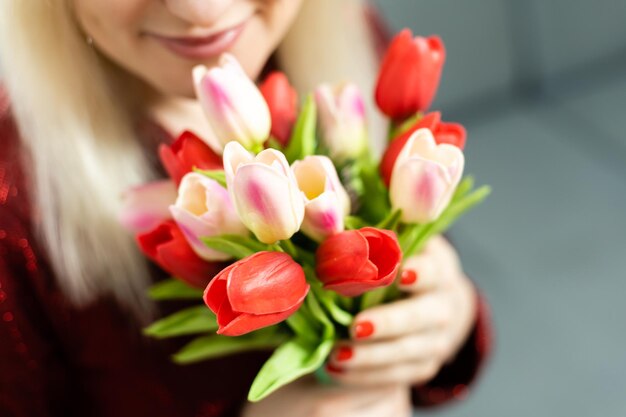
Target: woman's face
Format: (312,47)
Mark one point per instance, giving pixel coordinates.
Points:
(160,41)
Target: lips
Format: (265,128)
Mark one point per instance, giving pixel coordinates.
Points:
(201,47)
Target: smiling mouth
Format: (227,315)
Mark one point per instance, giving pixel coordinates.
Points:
(201,47)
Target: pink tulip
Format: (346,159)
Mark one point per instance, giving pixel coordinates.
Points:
(342,119)
(326,201)
(233,104)
(146,206)
(265,192)
(204,209)
(424,177)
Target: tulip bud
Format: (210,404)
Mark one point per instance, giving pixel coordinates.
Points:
(326,201)
(169,249)
(265,192)
(451,133)
(354,262)
(255,292)
(424,177)
(146,206)
(204,209)
(342,120)
(409,75)
(187,152)
(282,101)
(233,104)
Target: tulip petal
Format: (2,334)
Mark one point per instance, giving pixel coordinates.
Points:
(323,217)
(203,209)
(351,287)
(146,206)
(167,246)
(259,192)
(282,100)
(245,323)
(421,195)
(341,255)
(232,102)
(424,177)
(382,243)
(266,283)
(234,156)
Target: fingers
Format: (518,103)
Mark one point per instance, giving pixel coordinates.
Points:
(400,373)
(431,267)
(412,348)
(426,312)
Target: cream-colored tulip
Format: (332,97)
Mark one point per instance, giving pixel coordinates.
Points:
(265,192)
(425,177)
(342,120)
(232,103)
(204,209)
(327,202)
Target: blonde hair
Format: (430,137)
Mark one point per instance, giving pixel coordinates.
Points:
(82,146)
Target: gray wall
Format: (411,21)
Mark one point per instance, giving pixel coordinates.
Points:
(541,87)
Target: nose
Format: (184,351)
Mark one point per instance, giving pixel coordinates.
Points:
(199,12)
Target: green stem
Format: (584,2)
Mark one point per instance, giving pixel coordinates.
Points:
(289,248)
(256,148)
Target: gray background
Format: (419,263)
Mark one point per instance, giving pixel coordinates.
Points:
(541,87)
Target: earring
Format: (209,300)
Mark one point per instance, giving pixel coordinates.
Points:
(89,40)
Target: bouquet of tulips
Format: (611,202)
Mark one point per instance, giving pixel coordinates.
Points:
(283,225)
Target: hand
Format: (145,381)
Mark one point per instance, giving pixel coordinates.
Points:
(408,341)
(307,398)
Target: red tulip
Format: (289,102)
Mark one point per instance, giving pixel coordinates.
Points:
(357,261)
(409,75)
(167,247)
(282,100)
(255,292)
(187,152)
(450,133)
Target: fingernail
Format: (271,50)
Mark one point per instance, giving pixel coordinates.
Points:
(408,277)
(363,329)
(344,353)
(333,369)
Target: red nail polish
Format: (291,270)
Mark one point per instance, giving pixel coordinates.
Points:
(344,353)
(408,277)
(363,329)
(333,369)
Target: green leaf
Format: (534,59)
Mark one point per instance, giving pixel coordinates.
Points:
(303,326)
(328,300)
(274,144)
(397,130)
(459,208)
(235,245)
(353,222)
(216,346)
(303,140)
(318,313)
(408,236)
(391,221)
(375,196)
(464,187)
(173,289)
(192,320)
(288,363)
(216,175)
(338,314)
(373,298)
(452,213)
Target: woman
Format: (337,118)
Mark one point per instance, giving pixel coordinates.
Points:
(92,88)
